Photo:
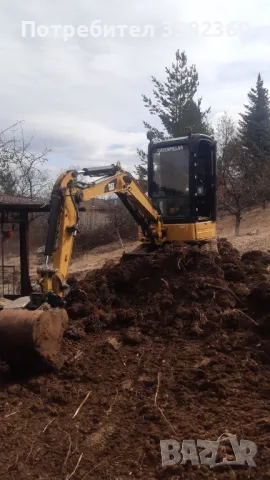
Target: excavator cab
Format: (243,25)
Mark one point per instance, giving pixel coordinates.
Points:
(182,186)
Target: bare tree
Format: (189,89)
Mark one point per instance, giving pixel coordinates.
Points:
(236,191)
(22,170)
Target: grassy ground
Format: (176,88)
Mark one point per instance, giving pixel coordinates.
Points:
(256,222)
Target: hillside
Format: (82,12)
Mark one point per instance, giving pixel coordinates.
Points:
(257,220)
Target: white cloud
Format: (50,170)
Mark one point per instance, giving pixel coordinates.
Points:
(83,97)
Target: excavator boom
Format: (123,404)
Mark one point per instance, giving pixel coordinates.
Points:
(68,194)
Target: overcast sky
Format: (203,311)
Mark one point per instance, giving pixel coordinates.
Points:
(82,97)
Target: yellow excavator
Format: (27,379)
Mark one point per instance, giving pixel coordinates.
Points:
(180,206)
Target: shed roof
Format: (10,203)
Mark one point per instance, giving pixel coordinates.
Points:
(13,203)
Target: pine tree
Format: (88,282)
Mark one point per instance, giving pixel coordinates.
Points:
(254,132)
(174,104)
(255,124)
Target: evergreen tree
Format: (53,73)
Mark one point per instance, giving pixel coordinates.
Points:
(174,104)
(254,132)
(254,128)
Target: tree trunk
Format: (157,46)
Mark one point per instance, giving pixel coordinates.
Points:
(237,223)
(264,204)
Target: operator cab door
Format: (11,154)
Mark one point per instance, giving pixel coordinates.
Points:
(203,183)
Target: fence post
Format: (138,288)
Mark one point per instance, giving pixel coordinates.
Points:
(24,254)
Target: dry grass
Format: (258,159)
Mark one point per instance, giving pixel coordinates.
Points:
(98,256)
(257,219)
(95,258)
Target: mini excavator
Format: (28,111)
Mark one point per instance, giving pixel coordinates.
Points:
(180,207)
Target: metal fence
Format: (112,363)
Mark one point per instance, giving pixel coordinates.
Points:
(8,280)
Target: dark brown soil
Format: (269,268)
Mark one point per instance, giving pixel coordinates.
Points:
(175,345)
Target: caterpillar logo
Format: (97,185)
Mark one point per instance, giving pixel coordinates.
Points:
(111,186)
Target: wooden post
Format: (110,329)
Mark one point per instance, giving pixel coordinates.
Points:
(24,254)
(3,259)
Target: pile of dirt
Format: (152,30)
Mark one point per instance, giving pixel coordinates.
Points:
(173,291)
(170,346)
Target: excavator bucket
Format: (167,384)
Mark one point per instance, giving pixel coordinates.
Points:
(32,339)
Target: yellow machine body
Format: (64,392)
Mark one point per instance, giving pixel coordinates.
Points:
(191,232)
(186,232)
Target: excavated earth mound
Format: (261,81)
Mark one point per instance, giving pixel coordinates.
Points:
(171,346)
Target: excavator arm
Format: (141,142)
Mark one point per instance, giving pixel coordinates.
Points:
(68,193)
